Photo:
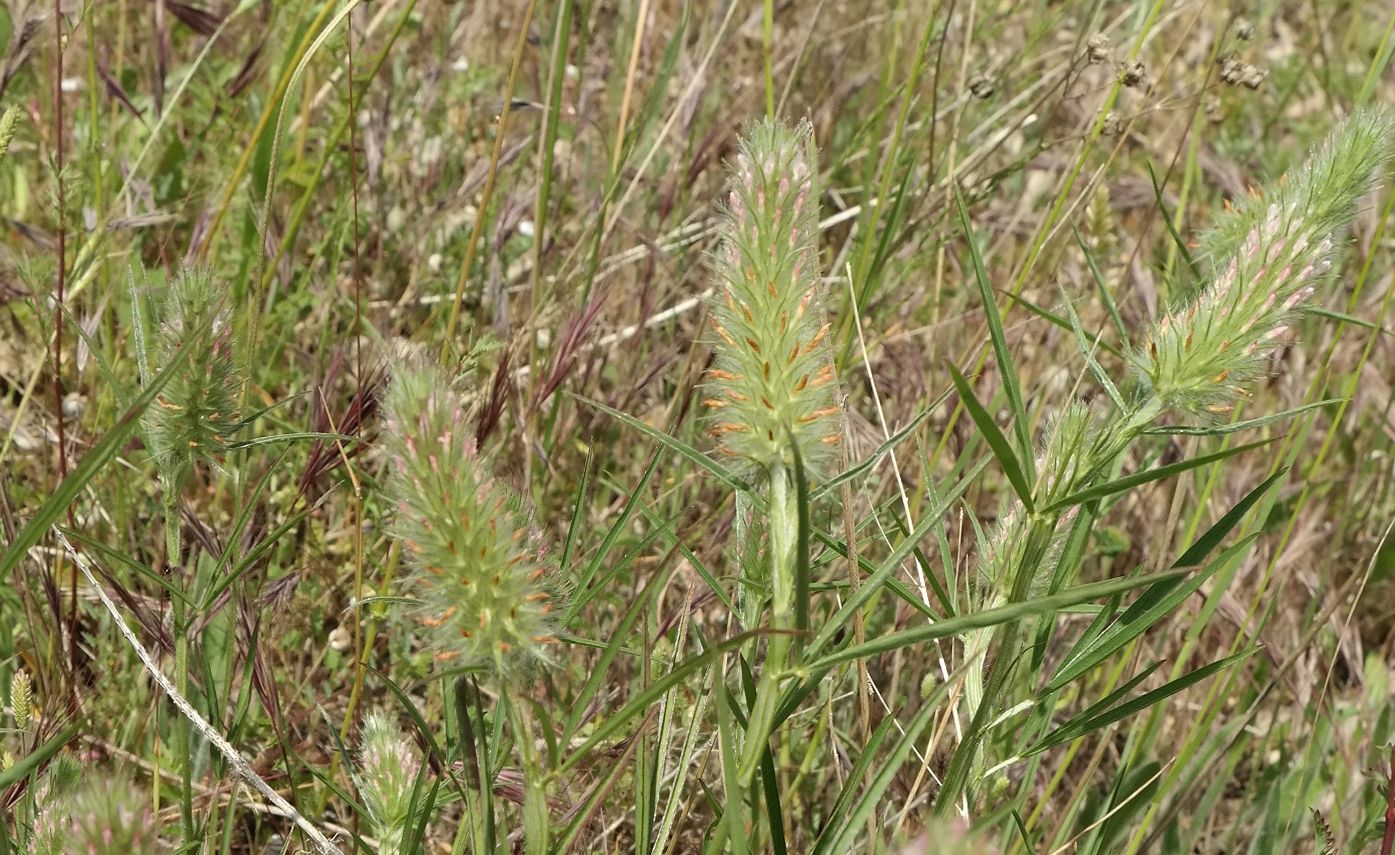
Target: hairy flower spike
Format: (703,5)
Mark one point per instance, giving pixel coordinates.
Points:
(196,411)
(773,377)
(104,816)
(388,768)
(1270,252)
(478,580)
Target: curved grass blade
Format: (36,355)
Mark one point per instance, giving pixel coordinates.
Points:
(992,617)
(1128,482)
(887,770)
(997,443)
(875,457)
(92,462)
(1247,424)
(679,446)
(1020,426)
(1102,714)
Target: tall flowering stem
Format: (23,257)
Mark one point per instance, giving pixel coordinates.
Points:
(186,429)
(478,575)
(770,395)
(1270,253)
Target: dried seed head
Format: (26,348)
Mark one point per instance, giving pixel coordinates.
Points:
(774,373)
(1269,252)
(1132,73)
(476,578)
(1097,49)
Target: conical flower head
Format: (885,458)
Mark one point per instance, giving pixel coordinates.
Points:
(105,816)
(195,412)
(388,767)
(478,577)
(1271,252)
(771,391)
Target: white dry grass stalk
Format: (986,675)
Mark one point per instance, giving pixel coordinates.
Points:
(231,754)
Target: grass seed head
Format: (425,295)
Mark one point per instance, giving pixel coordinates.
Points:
(477,574)
(1271,252)
(21,700)
(771,391)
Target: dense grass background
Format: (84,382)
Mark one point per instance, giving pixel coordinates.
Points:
(526,191)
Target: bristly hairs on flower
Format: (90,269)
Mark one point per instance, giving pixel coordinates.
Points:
(196,412)
(1269,253)
(1066,449)
(104,815)
(773,379)
(388,768)
(479,577)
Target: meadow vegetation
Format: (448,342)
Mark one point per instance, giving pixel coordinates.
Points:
(666,427)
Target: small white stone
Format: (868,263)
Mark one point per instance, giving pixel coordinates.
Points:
(340,638)
(73,405)
(434,262)
(526,228)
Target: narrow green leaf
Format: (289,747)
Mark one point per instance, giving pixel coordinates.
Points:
(872,584)
(1087,351)
(1056,320)
(887,769)
(875,457)
(1128,482)
(1236,427)
(997,443)
(100,454)
(1100,286)
(1171,226)
(21,769)
(990,617)
(677,445)
(1021,428)
(1152,606)
(641,700)
(1075,730)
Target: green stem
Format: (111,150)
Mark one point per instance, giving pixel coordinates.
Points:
(535,815)
(182,731)
(783,532)
(981,696)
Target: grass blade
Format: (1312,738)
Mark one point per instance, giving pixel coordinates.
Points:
(997,443)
